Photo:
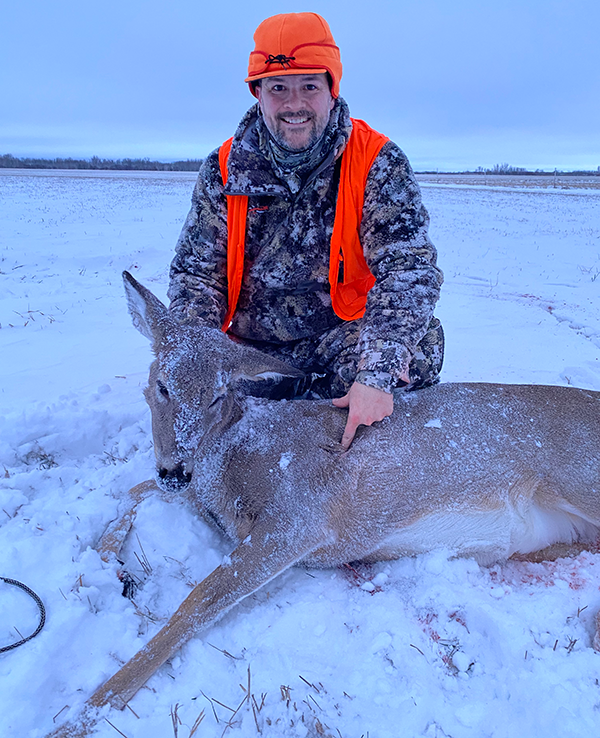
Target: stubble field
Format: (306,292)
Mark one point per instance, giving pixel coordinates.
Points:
(428,646)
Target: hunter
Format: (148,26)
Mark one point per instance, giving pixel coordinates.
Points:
(307,238)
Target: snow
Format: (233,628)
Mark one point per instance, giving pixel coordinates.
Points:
(425,646)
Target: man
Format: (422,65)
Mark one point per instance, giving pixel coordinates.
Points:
(316,248)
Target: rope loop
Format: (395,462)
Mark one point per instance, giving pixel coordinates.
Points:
(41,608)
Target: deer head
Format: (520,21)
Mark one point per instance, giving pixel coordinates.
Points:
(196,382)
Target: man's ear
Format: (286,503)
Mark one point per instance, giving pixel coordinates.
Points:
(149,315)
(258,92)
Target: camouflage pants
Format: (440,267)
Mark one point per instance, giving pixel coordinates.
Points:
(332,358)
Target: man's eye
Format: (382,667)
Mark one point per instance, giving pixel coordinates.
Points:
(311,87)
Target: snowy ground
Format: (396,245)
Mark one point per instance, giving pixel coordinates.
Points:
(439,648)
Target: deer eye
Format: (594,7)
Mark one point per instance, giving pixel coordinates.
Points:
(216,401)
(162,389)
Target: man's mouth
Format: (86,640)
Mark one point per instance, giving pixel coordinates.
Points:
(294,121)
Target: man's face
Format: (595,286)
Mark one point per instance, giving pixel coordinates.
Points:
(296,108)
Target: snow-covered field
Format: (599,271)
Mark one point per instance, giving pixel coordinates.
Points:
(437,647)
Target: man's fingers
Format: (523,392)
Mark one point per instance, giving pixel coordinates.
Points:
(366,405)
(352,426)
(342,401)
(349,433)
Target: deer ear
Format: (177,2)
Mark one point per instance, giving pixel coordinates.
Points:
(263,376)
(272,386)
(148,313)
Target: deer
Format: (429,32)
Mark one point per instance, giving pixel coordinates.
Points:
(482,470)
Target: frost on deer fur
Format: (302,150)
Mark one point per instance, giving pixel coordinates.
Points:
(470,468)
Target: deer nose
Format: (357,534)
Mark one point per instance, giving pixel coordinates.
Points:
(174,480)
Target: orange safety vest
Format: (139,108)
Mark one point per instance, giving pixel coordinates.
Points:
(348,298)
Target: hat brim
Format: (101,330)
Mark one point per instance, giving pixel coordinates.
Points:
(285,72)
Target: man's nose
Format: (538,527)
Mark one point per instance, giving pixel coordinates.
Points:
(295,97)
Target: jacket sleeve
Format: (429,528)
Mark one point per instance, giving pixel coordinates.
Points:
(403,260)
(198,275)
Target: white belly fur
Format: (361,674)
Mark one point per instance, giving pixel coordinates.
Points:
(488,535)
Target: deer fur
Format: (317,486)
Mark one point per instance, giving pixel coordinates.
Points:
(483,470)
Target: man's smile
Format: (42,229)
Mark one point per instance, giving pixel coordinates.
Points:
(294,121)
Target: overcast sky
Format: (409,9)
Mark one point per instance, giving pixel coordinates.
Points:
(456,83)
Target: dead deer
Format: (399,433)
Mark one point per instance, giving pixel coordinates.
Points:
(483,470)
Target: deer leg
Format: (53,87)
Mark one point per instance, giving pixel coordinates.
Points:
(553,552)
(252,564)
(596,638)
(114,536)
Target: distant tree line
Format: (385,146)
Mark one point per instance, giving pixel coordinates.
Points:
(508,169)
(8,161)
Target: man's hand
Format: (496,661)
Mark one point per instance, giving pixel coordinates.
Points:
(366,405)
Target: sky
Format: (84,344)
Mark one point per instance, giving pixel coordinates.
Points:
(457,84)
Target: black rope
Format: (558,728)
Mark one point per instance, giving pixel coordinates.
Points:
(40,605)
(280,59)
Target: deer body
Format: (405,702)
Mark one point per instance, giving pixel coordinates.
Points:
(481,470)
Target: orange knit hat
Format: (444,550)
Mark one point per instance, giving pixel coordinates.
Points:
(294,43)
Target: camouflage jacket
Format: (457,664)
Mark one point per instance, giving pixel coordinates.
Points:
(285,288)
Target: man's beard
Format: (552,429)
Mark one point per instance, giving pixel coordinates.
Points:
(315,133)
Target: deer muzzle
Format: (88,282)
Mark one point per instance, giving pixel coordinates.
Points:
(174,480)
